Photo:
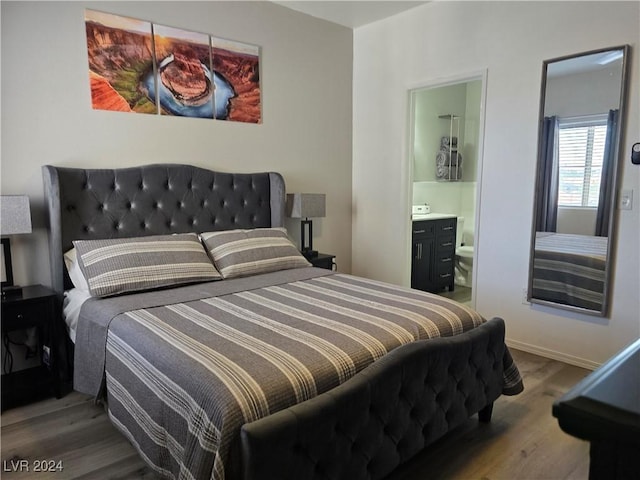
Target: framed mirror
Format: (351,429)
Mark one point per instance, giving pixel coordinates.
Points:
(581,120)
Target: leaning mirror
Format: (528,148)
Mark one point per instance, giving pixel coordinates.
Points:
(581,116)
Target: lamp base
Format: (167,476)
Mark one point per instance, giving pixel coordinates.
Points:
(309,253)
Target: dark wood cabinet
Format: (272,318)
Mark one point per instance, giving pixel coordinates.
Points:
(35,307)
(604,409)
(433,254)
(422,254)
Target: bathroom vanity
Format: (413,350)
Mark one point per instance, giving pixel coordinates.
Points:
(433,252)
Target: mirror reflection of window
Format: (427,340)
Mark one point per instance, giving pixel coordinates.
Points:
(581,145)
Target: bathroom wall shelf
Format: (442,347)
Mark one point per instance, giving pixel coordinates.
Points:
(449,167)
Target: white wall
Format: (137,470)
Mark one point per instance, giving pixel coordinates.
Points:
(576,220)
(307,110)
(574,95)
(510,40)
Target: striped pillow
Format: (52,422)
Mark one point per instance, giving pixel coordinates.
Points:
(238,253)
(122,265)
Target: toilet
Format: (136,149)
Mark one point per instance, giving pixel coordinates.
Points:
(464,258)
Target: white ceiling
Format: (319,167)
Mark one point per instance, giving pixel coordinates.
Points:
(351,14)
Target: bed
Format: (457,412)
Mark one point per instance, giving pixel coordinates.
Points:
(570,269)
(281,372)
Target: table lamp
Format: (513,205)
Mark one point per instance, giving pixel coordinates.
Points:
(15,219)
(306,205)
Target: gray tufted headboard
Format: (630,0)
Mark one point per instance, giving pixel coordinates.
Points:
(153,200)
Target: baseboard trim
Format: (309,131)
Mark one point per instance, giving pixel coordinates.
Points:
(553,354)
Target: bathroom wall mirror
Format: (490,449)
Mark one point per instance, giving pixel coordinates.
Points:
(581,120)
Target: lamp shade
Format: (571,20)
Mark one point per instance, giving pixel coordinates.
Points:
(15,214)
(305,205)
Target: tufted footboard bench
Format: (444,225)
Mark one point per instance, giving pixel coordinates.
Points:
(384,416)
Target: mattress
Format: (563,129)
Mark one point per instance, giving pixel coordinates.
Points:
(185,368)
(71,305)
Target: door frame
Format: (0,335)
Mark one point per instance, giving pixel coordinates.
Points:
(480,75)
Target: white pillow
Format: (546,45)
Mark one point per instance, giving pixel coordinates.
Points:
(75,274)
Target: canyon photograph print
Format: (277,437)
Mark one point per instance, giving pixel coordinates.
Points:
(137,66)
(183,78)
(120,52)
(239,64)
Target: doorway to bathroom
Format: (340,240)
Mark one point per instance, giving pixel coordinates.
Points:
(447,123)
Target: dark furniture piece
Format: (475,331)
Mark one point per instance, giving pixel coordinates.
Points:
(433,254)
(403,403)
(323,260)
(604,409)
(35,307)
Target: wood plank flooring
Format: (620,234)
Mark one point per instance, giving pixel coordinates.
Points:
(523,440)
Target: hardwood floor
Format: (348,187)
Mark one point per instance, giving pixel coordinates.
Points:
(460,294)
(523,440)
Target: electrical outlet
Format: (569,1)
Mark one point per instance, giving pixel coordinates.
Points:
(525,300)
(626,199)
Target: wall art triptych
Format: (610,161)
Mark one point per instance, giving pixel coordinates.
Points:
(139,66)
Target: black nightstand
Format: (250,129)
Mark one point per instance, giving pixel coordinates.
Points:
(35,307)
(323,260)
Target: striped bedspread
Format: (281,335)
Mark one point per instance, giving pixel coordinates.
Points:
(570,269)
(182,376)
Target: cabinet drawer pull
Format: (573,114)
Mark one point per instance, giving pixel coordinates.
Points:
(443,260)
(419,231)
(445,275)
(447,244)
(19,316)
(447,228)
